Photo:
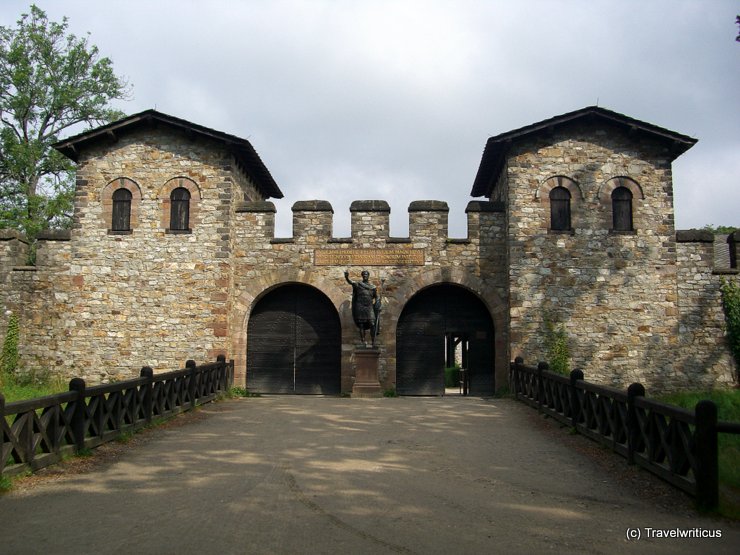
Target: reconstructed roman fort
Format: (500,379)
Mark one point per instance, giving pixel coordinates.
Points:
(173,256)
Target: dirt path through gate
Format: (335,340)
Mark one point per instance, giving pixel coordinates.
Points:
(299,474)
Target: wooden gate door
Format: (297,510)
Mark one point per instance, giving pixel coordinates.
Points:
(293,343)
(426,320)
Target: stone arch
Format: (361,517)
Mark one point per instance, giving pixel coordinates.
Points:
(493,301)
(605,201)
(543,195)
(607,188)
(106,201)
(165,193)
(254,289)
(434,324)
(543,191)
(294,342)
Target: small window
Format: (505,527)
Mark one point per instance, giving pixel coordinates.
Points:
(121,217)
(622,209)
(560,209)
(180,209)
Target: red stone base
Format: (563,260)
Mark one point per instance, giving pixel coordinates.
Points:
(366,373)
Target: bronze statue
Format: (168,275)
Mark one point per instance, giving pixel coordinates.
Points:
(365,306)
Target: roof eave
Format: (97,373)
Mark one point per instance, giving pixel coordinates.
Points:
(493,159)
(240,148)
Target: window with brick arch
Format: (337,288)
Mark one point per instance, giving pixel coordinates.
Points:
(180,209)
(560,209)
(121,215)
(622,209)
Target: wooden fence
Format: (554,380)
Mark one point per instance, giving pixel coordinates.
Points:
(676,444)
(40,432)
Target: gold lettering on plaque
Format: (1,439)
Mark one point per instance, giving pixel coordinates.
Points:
(368,257)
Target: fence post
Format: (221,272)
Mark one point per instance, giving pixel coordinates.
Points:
(633,427)
(575,404)
(78,416)
(148,373)
(191,383)
(222,373)
(707,464)
(518,363)
(541,367)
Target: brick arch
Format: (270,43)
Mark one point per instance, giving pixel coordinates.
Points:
(496,305)
(106,200)
(576,198)
(608,187)
(164,199)
(395,298)
(251,291)
(543,191)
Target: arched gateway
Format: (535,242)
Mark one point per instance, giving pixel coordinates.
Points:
(294,339)
(432,321)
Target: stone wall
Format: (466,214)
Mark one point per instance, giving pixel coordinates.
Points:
(262,263)
(13,253)
(638,305)
(703,358)
(106,303)
(614,292)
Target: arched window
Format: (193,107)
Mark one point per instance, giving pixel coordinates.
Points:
(180,209)
(560,209)
(121,216)
(622,209)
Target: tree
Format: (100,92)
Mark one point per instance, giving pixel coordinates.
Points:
(719,229)
(51,83)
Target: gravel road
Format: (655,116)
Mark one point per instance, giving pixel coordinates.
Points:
(284,474)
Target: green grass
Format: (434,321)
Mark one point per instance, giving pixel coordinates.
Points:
(238,391)
(452,376)
(20,392)
(728,409)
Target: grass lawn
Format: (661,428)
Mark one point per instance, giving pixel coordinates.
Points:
(14,390)
(728,409)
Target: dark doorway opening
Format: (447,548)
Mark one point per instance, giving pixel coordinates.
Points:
(294,343)
(439,327)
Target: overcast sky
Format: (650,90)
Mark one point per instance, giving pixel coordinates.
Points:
(394,100)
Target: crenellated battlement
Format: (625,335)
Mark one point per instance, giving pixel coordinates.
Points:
(163,277)
(14,248)
(313,222)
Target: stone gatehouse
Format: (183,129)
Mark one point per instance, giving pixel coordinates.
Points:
(173,255)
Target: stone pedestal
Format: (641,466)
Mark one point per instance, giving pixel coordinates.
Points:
(366,372)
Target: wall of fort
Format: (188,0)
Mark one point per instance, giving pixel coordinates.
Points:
(615,292)
(637,305)
(702,357)
(406,265)
(104,303)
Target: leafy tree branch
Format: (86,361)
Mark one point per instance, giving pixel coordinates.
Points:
(51,83)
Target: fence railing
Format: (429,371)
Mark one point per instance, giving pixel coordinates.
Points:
(676,444)
(40,432)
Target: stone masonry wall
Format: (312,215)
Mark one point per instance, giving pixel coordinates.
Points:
(614,292)
(637,306)
(13,253)
(40,296)
(703,357)
(262,263)
(116,301)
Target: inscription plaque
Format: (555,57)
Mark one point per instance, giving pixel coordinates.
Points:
(368,257)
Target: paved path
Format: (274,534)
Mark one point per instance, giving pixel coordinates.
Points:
(328,475)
